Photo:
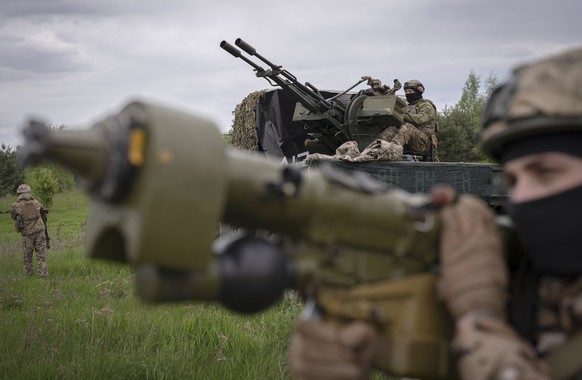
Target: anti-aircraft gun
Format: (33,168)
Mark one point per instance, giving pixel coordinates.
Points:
(292,112)
(331,121)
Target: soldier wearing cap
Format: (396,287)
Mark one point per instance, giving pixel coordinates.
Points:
(417,135)
(532,126)
(29,219)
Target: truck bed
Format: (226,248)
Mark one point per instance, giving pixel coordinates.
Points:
(482,180)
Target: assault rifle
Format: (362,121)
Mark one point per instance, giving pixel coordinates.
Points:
(335,120)
(5,212)
(161,181)
(43,214)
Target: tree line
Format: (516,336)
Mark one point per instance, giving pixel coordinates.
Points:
(458,129)
(459,125)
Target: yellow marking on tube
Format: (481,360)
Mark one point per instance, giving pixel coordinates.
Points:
(135,153)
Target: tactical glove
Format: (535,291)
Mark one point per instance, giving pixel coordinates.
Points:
(474,272)
(474,285)
(487,349)
(323,351)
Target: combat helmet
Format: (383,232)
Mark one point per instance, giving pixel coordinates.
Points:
(539,98)
(24,188)
(415,85)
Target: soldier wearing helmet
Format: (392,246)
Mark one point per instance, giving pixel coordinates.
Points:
(417,135)
(532,126)
(30,220)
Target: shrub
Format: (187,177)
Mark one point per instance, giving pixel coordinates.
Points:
(43,183)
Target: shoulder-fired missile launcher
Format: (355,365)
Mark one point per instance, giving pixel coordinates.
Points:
(160,181)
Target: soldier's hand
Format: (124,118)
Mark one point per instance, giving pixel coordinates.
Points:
(322,351)
(488,348)
(474,274)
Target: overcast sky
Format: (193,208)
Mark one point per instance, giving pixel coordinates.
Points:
(72,62)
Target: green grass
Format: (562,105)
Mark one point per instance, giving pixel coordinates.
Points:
(84,321)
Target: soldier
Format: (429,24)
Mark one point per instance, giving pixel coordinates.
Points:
(417,135)
(532,125)
(29,219)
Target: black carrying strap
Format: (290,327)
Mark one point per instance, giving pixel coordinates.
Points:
(524,299)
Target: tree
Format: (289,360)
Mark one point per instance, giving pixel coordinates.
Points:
(459,125)
(11,172)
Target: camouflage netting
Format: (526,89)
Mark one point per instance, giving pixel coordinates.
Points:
(244,127)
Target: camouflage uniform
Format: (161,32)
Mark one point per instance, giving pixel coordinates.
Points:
(26,213)
(539,107)
(559,311)
(419,128)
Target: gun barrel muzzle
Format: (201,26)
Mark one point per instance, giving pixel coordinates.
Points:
(244,46)
(231,49)
(83,152)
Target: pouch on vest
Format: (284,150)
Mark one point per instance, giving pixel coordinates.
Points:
(19,223)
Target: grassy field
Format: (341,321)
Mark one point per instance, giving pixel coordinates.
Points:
(84,322)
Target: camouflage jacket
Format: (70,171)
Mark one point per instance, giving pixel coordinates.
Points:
(26,213)
(423,115)
(559,311)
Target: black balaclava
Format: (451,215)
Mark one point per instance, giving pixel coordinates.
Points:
(549,228)
(411,98)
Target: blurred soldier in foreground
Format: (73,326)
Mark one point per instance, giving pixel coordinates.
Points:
(532,125)
(29,219)
(417,135)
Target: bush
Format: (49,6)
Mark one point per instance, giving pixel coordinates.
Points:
(65,179)
(43,183)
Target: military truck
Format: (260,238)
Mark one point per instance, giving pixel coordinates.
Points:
(294,120)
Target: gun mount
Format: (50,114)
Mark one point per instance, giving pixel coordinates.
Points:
(331,121)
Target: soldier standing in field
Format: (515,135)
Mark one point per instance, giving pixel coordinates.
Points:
(29,219)
(417,135)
